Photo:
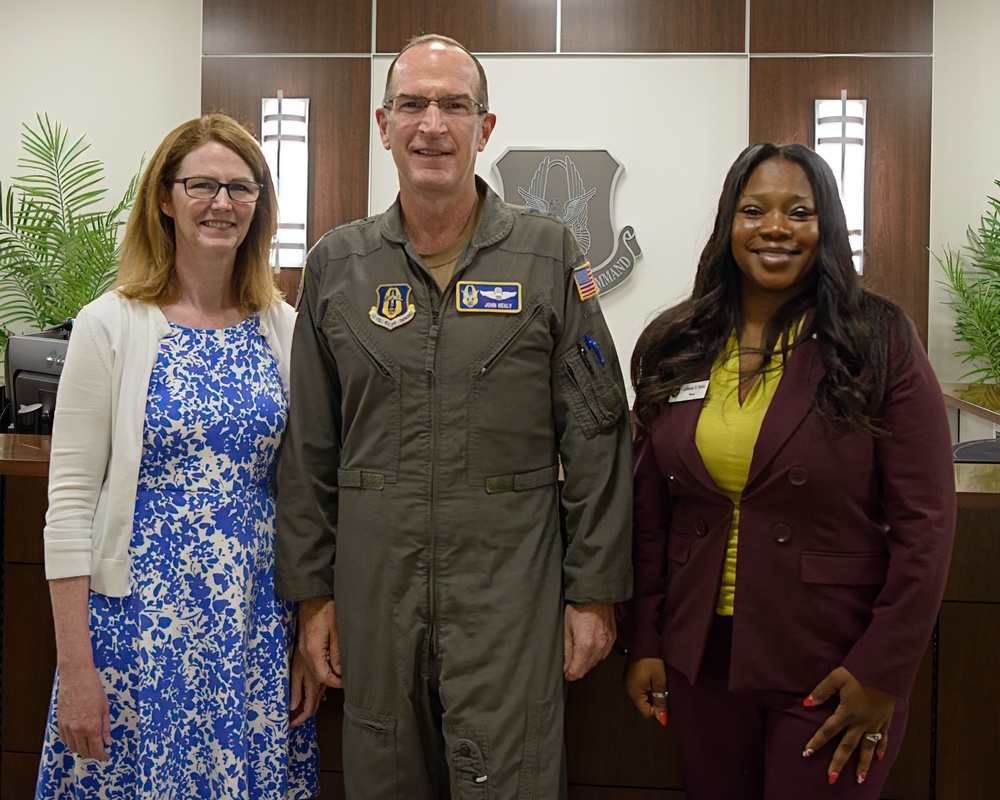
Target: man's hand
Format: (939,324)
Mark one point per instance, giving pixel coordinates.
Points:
(318,640)
(588,635)
(306,691)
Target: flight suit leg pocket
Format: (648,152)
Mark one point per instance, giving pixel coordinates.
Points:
(468,760)
(541,757)
(370,759)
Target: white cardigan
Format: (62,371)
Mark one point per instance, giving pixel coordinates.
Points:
(97,434)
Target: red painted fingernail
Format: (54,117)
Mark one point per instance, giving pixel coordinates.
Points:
(807,752)
(833,777)
(881,755)
(808,702)
(862,776)
(662,717)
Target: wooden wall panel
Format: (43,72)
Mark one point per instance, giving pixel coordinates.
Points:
(968,701)
(340,121)
(841,26)
(628,751)
(910,778)
(18,775)
(653,26)
(29,657)
(897,203)
(331,786)
(975,557)
(291,26)
(26,502)
(484,26)
(608,793)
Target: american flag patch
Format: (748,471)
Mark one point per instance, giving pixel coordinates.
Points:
(585,281)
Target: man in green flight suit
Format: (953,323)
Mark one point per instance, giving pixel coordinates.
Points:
(449,354)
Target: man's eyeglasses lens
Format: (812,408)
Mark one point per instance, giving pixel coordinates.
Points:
(457,105)
(208,188)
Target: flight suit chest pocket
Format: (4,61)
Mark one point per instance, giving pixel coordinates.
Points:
(509,428)
(590,387)
(371,392)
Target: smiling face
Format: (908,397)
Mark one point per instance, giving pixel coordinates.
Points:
(435,155)
(213,227)
(775,230)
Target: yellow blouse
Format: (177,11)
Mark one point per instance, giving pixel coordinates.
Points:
(725,436)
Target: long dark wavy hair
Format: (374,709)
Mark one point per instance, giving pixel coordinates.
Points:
(851,325)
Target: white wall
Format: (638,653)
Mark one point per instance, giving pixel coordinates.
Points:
(123,72)
(675,123)
(965,146)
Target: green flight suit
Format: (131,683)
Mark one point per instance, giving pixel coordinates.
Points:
(418,486)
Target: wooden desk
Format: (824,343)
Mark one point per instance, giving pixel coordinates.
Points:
(23,454)
(27,655)
(980,399)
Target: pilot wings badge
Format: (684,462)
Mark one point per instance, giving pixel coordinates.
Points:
(578,187)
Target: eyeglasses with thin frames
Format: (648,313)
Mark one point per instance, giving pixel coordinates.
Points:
(199,188)
(453,105)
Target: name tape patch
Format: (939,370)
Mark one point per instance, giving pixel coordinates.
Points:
(493,297)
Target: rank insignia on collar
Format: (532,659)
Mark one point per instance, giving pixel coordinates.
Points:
(498,298)
(393,306)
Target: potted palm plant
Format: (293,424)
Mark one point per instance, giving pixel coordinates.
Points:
(58,249)
(972,280)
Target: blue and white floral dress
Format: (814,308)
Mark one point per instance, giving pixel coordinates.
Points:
(195,659)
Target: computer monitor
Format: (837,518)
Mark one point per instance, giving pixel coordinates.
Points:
(32,366)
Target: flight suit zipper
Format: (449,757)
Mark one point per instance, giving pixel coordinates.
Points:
(431,369)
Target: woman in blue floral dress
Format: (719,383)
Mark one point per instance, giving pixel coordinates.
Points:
(175,672)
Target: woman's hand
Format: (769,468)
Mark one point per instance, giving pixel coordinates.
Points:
(306,691)
(863,712)
(82,713)
(646,684)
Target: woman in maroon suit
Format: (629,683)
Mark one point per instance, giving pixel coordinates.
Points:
(794,502)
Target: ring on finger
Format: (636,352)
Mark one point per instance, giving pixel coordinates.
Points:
(658,695)
(874,738)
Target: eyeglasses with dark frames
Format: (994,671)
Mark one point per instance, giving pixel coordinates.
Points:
(199,188)
(453,105)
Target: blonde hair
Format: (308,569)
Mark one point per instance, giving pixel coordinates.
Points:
(146,266)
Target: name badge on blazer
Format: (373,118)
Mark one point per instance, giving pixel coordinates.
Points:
(690,391)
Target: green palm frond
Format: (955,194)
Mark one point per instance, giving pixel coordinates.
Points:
(972,280)
(58,251)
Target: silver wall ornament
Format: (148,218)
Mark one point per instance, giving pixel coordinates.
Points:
(577,186)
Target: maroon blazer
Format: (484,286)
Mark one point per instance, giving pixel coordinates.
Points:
(844,538)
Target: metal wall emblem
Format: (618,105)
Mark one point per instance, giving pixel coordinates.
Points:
(578,187)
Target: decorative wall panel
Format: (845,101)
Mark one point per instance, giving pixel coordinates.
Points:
(291,26)
(654,26)
(842,26)
(898,90)
(340,118)
(484,26)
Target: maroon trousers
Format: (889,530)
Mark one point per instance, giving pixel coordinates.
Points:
(745,745)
